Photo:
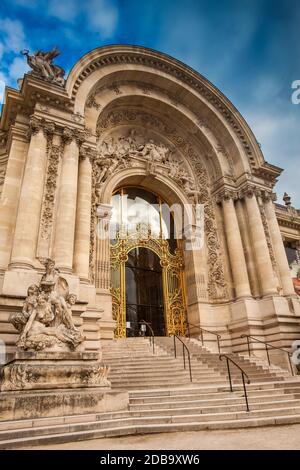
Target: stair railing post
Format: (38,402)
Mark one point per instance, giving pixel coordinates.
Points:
(175,355)
(245,392)
(219,347)
(229,374)
(267,351)
(248,342)
(202,341)
(190,368)
(291,367)
(183,352)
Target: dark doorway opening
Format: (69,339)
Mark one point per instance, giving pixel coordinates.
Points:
(144,293)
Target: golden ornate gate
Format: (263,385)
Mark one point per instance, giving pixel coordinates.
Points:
(173,283)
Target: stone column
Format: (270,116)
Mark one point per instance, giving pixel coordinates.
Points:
(247,244)
(29,211)
(102,264)
(279,251)
(11,192)
(235,248)
(260,246)
(66,210)
(83,217)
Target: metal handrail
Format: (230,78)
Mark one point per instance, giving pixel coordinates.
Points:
(243,374)
(152,336)
(267,346)
(184,347)
(207,331)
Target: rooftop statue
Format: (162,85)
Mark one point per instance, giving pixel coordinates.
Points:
(41,64)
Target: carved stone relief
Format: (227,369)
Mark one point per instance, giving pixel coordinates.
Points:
(194,181)
(54,152)
(45,322)
(186,78)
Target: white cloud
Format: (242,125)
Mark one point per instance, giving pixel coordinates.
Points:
(27,3)
(13,35)
(100,15)
(1,50)
(278,133)
(3,82)
(65,10)
(18,68)
(103,17)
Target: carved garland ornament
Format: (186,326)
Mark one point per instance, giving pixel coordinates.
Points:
(53,152)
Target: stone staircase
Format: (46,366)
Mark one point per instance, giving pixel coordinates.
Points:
(162,398)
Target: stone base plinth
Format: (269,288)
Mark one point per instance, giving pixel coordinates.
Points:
(53,370)
(42,404)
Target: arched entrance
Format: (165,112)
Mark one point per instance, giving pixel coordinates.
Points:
(144,292)
(146,265)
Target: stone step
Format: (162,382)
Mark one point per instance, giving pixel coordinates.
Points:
(147,429)
(214,401)
(67,432)
(215,408)
(166,374)
(220,395)
(291,386)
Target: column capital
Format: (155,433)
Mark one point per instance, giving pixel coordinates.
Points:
(69,134)
(249,191)
(226,194)
(104,211)
(87,153)
(37,124)
(268,196)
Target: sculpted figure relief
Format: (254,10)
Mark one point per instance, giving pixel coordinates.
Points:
(42,65)
(120,152)
(46,319)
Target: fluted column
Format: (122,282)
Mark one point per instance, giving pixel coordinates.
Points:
(279,251)
(66,210)
(102,264)
(260,246)
(29,211)
(83,217)
(235,249)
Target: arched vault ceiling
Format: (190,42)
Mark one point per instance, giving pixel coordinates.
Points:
(171,125)
(109,66)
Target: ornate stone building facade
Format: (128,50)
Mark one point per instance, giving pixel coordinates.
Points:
(129,117)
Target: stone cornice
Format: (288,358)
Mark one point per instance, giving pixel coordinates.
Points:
(33,90)
(245,190)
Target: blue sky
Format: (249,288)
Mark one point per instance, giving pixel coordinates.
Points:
(250,49)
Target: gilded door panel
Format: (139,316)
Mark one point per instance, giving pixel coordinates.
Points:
(172,269)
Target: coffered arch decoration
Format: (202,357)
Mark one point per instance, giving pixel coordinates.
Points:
(110,67)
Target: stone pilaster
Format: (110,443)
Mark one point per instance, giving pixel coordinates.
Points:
(102,274)
(258,237)
(279,251)
(66,210)
(83,216)
(11,192)
(29,211)
(235,247)
(246,240)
